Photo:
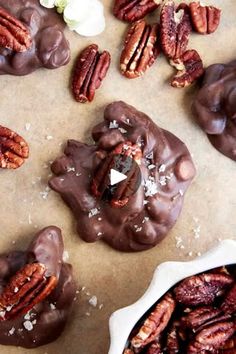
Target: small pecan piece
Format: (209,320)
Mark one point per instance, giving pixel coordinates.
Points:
(155,347)
(175,29)
(133,10)
(13,34)
(156,322)
(13,149)
(202,289)
(199,316)
(173,339)
(90,69)
(26,288)
(211,338)
(140,49)
(229,304)
(205,19)
(190,68)
(101,180)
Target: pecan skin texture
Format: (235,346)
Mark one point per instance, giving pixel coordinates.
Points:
(13,34)
(211,338)
(101,180)
(90,69)
(13,149)
(140,50)
(205,19)
(173,340)
(155,324)
(190,68)
(199,316)
(28,287)
(229,304)
(175,29)
(155,348)
(133,10)
(202,289)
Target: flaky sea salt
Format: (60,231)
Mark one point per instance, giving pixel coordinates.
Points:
(65,256)
(150,187)
(28,326)
(113,125)
(27,126)
(93,212)
(93,301)
(12,331)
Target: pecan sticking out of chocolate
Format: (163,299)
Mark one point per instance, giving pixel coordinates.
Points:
(127,156)
(13,149)
(13,34)
(205,19)
(133,10)
(90,69)
(28,287)
(190,68)
(175,29)
(202,289)
(140,50)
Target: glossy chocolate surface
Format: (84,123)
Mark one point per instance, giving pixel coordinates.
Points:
(49,49)
(49,317)
(215,107)
(166,167)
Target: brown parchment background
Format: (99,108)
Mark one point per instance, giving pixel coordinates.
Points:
(43,100)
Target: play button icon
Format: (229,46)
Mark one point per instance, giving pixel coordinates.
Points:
(116,177)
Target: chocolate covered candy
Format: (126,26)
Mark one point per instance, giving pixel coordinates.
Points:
(47,46)
(215,107)
(36,291)
(132,215)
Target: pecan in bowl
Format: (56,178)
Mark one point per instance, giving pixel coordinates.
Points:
(36,293)
(189,308)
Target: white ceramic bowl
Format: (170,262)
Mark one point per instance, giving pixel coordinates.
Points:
(166,275)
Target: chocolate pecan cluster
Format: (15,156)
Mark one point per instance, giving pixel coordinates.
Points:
(144,42)
(197,316)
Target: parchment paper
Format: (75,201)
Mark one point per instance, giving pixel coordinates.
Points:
(43,100)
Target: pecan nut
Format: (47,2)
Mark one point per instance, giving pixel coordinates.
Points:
(101,181)
(211,338)
(229,304)
(28,287)
(90,69)
(173,338)
(13,34)
(140,50)
(205,19)
(13,149)
(202,289)
(155,347)
(229,346)
(199,316)
(156,322)
(175,29)
(133,10)
(190,68)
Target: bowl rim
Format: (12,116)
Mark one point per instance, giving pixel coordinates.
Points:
(165,276)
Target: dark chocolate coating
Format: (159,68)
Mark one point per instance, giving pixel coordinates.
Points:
(49,49)
(145,220)
(215,107)
(51,315)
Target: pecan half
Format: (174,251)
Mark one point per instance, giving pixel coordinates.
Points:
(229,304)
(175,29)
(156,322)
(13,34)
(101,181)
(26,288)
(133,10)
(199,316)
(13,149)
(202,289)
(211,338)
(205,19)
(90,69)
(190,68)
(140,50)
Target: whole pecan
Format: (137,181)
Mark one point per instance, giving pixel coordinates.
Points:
(199,316)
(211,338)
(90,69)
(133,10)
(13,149)
(156,322)
(202,289)
(190,68)
(175,29)
(101,181)
(205,19)
(13,34)
(140,50)
(229,304)
(26,288)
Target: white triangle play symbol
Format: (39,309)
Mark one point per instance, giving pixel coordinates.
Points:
(116,177)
